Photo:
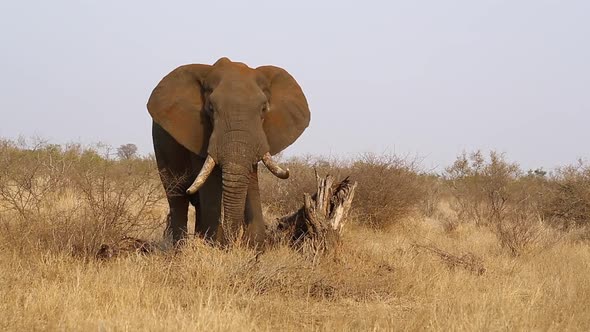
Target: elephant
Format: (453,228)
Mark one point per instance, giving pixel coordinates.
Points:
(212,125)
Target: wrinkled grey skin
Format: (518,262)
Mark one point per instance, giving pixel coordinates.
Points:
(233,114)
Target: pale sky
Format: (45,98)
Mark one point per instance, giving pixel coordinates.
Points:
(426,78)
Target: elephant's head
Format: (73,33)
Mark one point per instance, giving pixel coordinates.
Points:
(234,116)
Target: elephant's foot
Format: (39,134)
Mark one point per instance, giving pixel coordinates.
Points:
(207,234)
(255,234)
(175,232)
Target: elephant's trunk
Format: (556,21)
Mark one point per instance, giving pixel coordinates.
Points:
(235,179)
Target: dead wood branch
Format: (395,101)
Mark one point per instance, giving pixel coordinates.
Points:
(468,261)
(126,246)
(319,222)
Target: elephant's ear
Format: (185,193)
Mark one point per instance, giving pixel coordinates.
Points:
(288,114)
(176,104)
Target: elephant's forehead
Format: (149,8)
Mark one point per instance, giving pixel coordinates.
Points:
(235,90)
(232,74)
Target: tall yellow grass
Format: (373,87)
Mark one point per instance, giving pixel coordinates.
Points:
(427,269)
(377,281)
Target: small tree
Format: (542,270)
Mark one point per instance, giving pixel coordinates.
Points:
(127,151)
(494,193)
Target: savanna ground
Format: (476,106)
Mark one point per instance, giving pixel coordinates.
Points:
(481,246)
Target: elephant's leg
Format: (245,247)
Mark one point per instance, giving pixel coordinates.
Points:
(209,210)
(255,227)
(177,218)
(176,172)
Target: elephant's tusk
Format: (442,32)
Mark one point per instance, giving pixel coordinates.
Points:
(203,175)
(274,168)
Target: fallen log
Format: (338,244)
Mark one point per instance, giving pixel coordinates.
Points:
(467,261)
(319,222)
(126,246)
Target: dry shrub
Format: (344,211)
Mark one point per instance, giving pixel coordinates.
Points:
(568,198)
(494,193)
(434,192)
(389,189)
(27,175)
(284,196)
(520,235)
(389,186)
(75,198)
(481,188)
(449,223)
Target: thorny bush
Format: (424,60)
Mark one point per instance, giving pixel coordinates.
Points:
(75,198)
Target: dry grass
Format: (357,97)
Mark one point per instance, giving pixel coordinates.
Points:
(432,271)
(379,280)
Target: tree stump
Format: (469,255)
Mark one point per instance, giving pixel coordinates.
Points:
(318,224)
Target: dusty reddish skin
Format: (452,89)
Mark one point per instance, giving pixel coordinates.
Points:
(236,115)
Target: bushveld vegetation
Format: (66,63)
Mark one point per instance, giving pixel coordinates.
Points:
(484,245)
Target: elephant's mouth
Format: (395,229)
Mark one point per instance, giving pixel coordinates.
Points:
(271,164)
